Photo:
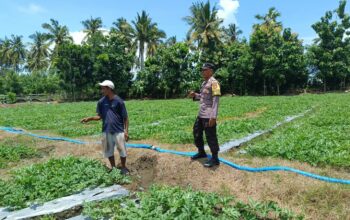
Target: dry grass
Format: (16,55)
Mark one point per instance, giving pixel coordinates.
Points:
(246,115)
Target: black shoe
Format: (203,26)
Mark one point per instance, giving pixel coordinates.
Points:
(212,162)
(198,156)
(124,171)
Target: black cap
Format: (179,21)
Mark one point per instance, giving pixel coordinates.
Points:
(208,66)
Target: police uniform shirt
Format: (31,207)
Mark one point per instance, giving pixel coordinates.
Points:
(209,98)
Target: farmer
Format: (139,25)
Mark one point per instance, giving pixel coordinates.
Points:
(111,109)
(206,120)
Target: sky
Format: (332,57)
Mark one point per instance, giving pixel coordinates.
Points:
(24,17)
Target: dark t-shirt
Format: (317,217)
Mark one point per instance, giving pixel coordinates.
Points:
(113,114)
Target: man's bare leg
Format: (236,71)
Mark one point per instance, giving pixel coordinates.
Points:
(112,161)
(123,162)
(124,170)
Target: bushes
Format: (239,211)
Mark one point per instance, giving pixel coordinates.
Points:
(11,97)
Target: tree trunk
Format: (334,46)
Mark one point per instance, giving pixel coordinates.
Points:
(142,51)
(264,87)
(278,89)
(324,85)
(233,87)
(342,84)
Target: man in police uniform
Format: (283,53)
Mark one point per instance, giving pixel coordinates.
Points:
(206,120)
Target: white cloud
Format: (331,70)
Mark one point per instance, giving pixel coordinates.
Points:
(32,9)
(77,36)
(228,10)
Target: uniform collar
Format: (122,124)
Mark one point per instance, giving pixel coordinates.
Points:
(210,79)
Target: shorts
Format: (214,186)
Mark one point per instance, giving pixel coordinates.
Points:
(110,141)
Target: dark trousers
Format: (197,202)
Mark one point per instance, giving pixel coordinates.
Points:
(202,124)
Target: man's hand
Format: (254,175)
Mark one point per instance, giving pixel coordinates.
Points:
(212,122)
(85,120)
(191,94)
(126,136)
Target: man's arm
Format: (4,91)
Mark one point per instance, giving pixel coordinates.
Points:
(124,114)
(93,118)
(126,129)
(214,112)
(216,94)
(195,96)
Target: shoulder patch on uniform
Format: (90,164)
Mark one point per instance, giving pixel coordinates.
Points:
(215,88)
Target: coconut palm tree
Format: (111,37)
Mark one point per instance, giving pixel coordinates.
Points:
(92,27)
(57,34)
(269,22)
(122,26)
(232,32)
(38,57)
(17,52)
(125,31)
(204,25)
(146,32)
(5,46)
(155,40)
(171,41)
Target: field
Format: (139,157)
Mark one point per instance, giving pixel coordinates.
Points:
(319,138)
(317,142)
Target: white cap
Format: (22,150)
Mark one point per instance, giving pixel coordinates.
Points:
(107,83)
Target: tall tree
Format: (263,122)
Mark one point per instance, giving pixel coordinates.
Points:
(75,69)
(330,55)
(238,68)
(17,52)
(115,63)
(92,27)
(5,47)
(171,41)
(147,34)
(204,25)
(155,40)
(122,28)
(265,43)
(293,60)
(39,52)
(165,73)
(232,32)
(57,33)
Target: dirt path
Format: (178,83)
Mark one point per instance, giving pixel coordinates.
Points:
(316,199)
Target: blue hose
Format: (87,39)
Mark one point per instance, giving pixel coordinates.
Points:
(188,154)
(17,131)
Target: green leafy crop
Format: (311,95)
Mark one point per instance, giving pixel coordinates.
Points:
(163,202)
(54,179)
